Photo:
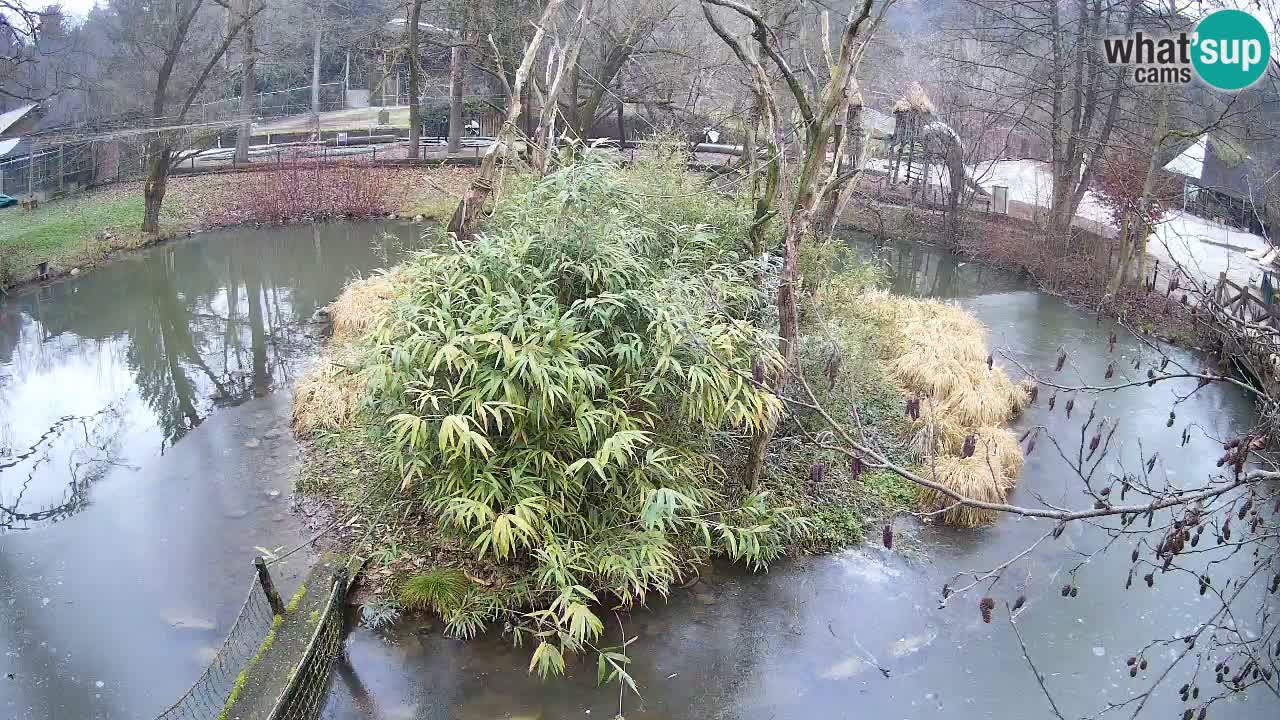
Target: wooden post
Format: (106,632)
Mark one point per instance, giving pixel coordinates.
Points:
(268,587)
(622,126)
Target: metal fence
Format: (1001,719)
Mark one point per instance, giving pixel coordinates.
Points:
(60,168)
(207,697)
(278,103)
(304,696)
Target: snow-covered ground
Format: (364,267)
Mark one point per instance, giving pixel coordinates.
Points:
(1202,246)
(1206,248)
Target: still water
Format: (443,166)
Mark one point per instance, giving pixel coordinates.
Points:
(146,455)
(860,634)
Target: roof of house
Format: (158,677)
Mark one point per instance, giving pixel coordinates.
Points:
(1190,162)
(8,145)
(11,118)
(878,124)
(422,25)
(1221,166)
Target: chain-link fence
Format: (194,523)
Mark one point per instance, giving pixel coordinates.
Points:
(277,103)
(206,698)
(304,696)
(54,168)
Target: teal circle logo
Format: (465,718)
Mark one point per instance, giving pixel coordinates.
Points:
(1231,49)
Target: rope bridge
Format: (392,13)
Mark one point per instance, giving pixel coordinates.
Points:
(276,660)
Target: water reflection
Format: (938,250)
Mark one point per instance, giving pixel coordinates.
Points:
(128,359)
(146,456)
(915,269)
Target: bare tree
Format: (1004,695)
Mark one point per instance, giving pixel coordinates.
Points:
(1041,61)
(248,68)
(465,217)
(818,106)
(412,32)
(175,49)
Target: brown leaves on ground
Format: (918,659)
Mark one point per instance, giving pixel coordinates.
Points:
(235,198)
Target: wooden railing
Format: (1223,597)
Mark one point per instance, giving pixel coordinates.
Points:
(1245,303)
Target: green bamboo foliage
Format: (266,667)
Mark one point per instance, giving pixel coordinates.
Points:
(552,391)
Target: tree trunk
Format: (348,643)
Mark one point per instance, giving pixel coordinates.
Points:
(465,217)
(411,45)
(248,60)
(153,188)
(544,135)
(1143,229)
(749,141)
(622,123)
(315,77)
(1122,262)
(457,76)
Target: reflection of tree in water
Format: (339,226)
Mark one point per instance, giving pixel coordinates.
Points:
(192,326)
(924,271)
(229,338)
(90,446)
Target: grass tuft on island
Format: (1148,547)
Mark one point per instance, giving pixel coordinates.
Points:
(553,418)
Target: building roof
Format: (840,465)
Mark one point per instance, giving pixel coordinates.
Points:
(8,145)
(878,124)
(11,118)
(1221,166)
(422,25)
(1190,162)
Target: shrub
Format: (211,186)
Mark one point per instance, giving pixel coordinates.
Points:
(309,190)
(553,391)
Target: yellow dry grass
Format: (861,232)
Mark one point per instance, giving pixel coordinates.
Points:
(327,397)
(942,358)
(360,304)
(971,477)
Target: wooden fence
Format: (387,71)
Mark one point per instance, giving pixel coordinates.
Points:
(1252,305)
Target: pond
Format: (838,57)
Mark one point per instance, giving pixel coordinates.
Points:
(146,453)
(154,392)
(860,634)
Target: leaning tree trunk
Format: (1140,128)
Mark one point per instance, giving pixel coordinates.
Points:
(411,47)
(248,61)
(465,217)
(153,188)
(1148,186)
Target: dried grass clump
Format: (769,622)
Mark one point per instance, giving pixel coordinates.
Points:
(919,100)
(998,447)
(972,477)
(360,304)
(935,432)
(327,397)
(942,358)
(984,397)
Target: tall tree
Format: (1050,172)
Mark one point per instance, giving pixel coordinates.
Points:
(317,35)
(173,49)
(818,106)
(248,66)
(462,224)
(412,33)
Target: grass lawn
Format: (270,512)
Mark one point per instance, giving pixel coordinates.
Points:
(82,231)
(64,233)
